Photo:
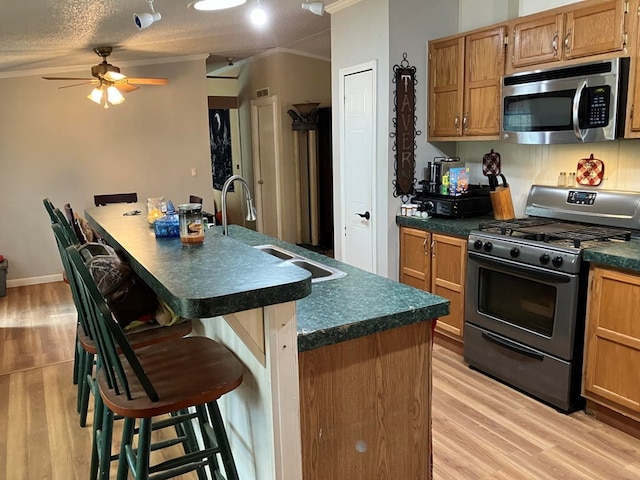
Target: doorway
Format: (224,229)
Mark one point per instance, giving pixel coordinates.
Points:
(267,153)
(358,165)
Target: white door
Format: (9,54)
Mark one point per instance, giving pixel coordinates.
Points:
(358,166)
(265,133)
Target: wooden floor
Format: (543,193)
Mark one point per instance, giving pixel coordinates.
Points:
(481,429)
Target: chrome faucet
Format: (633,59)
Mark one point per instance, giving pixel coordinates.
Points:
(251,210)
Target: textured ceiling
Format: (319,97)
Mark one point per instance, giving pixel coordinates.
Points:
(43,34)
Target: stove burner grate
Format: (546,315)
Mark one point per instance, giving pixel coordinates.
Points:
(553,231)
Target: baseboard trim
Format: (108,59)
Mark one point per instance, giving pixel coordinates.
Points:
(612,418)
(448,343)
(22,282)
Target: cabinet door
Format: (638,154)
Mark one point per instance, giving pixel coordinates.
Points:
(415,258)
(595,29)
(633,118)
(537,40)
(612,344)
(446,78)
(448,273)
(484,67)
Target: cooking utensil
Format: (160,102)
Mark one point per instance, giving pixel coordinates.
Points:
(501,198)
(590,171)
(491,163)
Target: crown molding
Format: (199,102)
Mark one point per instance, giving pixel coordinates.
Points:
(339,5)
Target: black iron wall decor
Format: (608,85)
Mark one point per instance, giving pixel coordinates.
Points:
(404,76)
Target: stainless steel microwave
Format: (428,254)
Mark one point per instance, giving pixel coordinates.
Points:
(573,104)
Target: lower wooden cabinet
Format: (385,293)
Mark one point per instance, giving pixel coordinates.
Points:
(612,341)
(436,263)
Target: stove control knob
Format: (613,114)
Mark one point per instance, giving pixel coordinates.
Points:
(544,258)
(515,252)
(477,244)
(488,246)
(557,261)
(429,206)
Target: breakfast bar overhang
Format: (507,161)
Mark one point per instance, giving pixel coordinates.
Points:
(338,373)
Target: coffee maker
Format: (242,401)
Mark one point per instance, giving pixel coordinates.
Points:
(433,173)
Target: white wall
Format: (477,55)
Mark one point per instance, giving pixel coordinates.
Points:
(360,34)
(55,143)
(475,14)
(528,7)
(381,31)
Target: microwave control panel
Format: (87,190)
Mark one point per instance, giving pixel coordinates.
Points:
(581,198)
(598,100)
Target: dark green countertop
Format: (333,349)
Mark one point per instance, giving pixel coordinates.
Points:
(456,227)
(624,255)
(353,306)
(221,276)
(226,275)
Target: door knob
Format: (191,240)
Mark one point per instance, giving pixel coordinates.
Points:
(364,215)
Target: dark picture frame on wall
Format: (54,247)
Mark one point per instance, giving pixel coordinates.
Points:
(220,144)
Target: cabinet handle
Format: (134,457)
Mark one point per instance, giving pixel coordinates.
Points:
(456,122)
(424,246)
(567,49)
(433,248)
(465,119)
(554,43)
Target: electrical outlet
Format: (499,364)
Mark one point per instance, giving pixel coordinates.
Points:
(194,171)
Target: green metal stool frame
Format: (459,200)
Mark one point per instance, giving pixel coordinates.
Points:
(169,378)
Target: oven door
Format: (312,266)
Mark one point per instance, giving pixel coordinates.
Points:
(533,306)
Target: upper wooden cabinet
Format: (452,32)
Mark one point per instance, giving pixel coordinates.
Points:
(578,30)
(464,85)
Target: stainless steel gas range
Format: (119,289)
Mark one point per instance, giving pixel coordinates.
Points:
(527,285)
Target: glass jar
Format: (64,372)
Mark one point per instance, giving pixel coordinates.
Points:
(191,225)
(156,208)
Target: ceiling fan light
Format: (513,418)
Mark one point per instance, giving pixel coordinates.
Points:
(208,5)
(317,8)
(114,76)
(114,97)
(96,95)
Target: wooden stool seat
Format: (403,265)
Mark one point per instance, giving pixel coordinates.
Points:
(190,371)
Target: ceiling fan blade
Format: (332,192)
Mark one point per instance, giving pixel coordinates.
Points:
(125,87)
(148,81)
(67,78)
(90,82)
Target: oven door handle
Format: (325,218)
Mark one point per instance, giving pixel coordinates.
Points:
(540,273)
(503,342)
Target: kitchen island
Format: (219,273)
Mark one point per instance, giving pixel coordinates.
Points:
(337,382)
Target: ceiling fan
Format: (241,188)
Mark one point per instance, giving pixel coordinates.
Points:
(110,83)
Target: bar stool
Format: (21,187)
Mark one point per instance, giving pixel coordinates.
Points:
(183,378)
(85,347)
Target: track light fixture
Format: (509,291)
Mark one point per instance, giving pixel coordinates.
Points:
(317,8)
(143,20)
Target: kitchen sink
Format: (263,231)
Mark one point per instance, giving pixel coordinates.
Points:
(319,272)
